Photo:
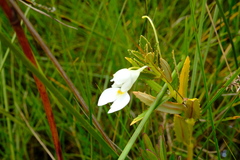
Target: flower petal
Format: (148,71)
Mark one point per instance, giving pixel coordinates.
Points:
(135,73)
(121,76)
(116,85)
(142,68)
(121,101)
(127,85)
(108,95)
(132,79)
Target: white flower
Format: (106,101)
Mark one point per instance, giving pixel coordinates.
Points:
(118,94)
(119,99)
(125,78)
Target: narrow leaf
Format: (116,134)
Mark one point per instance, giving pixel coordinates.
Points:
(149,58)
(172,156)
(137,54)
(148,143)
(135,64)
(171,107)
(184,76)
(162,145)
(12,118)
(167,107)
(166,70)
(138,118)
(23,41)
(145,98)
(231,118)
(143,153)
(151,155)
(154,85)
(62,100)
(144,44)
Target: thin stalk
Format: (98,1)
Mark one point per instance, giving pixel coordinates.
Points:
(229,33)
(2,60)
(158,101)
(5,102)
(112,39)
(190,151)
(221,90)
(219,42)
(193,85)
(142,123)
(18,108)
(58,95)
(15,22)
(155,34)
(198,50)
(62,72)
(6,54)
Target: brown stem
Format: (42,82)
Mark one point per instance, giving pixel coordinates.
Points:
(62,72)
(15,22)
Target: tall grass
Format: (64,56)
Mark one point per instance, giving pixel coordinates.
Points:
(97,49)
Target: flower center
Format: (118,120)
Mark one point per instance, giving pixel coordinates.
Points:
(120,92)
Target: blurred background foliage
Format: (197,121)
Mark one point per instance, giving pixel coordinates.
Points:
(94,51)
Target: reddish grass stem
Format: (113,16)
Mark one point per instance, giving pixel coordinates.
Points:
(15,22)
(78,96)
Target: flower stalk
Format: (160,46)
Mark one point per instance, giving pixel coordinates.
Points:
(155,34)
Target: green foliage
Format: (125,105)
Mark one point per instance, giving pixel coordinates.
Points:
(183,126)
(207,91)
(193,109)
(182,130)
(158,152)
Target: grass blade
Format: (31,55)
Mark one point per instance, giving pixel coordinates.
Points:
(62,100)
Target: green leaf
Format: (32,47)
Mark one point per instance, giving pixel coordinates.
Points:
(138,118)
(167,107)
(154,85)
(193,109)
(184,76)
(231,118)
(143,153)
(151,155)
(149,58)
(12,118)
(172,157)
(137,55)
(166,70)
(148,154)
(162,148)
(58,95)
(145,98)
(145,45)
(171,107)
(148,143)
(181,130)
(162,145)
(147,76)
(134,63)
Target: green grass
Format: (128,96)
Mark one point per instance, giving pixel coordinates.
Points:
(97,49)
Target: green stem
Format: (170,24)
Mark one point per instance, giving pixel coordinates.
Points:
(156,103)
(5,102)
(61,99)
(190,151)
(140,126)
(155,33)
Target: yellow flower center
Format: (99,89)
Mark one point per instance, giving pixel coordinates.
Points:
(120,92)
